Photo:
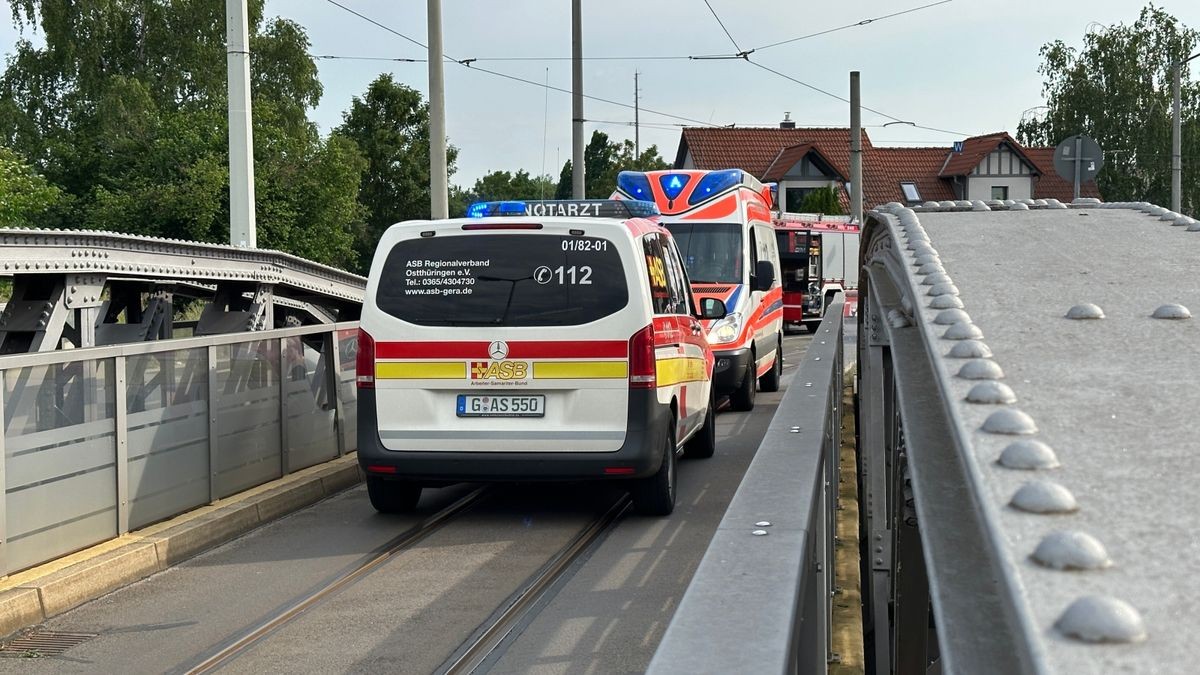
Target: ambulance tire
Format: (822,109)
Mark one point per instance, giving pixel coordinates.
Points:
(770,381)
(392,496)
(655,495)
(704,443)
(742,398)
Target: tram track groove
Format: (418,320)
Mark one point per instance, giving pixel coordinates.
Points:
(487,639)
(399,544)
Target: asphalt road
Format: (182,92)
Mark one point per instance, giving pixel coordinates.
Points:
(409,615)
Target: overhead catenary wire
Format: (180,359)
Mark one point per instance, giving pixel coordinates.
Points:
(468,63)
(857,24)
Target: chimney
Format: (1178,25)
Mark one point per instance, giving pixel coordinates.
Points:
(787,122)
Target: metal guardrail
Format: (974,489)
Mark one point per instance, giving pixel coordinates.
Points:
(760,600)
(100,441)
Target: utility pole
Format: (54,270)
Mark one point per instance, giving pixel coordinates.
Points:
(241,135)
(856,199)
(1176,140)
(439,200)
(637,141)
(577,177)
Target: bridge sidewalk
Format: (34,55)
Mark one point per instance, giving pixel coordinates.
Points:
(30,597)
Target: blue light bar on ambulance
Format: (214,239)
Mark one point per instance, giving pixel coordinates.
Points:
(635,184)
(583,208)
(715,183)
(673,183)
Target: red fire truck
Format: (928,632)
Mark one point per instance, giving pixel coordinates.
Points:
(818,256)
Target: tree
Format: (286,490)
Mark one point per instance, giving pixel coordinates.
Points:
(603,160)
(390,124)
(125,110)
(1117,90)
(26,198)
(502,185)
(821,200)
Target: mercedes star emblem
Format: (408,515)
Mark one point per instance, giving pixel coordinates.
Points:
(498,349)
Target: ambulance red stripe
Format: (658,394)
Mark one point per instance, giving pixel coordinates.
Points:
(523,349)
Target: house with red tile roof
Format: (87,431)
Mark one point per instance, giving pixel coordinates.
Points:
(994,166)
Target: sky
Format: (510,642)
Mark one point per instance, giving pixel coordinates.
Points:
(963,67)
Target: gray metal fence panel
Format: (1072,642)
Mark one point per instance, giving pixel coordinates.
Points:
(167,413)
(202,419)
(248,415)
(311,423)
(759,601)
(60,460)
(347,354)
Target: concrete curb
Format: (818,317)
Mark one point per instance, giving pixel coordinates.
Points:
(35,595)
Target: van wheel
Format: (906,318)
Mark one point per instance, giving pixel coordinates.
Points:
(770,381)
(392,496)
(655,495)
(742,399)
(704,443)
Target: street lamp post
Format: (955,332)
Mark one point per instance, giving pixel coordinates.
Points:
(1176,141)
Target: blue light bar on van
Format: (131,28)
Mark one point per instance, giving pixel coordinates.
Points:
(583,208)
(673,183)
(715,183)
(635,184)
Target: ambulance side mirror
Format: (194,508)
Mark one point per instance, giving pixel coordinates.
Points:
(764,275)
(712,309)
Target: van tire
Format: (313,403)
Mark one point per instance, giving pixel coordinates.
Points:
(392,496)
(742,398)
(770,381)
(655,495)
(704,443)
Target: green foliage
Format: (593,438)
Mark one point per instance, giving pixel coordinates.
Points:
(26,198)
(1117,90)
(502,185)
(603,160)
(124,109)
(822,200)
(390,125)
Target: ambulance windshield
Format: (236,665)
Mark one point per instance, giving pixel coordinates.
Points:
(712,252)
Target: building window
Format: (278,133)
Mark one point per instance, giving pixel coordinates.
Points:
(794,197)
(911,193)
(1000,192)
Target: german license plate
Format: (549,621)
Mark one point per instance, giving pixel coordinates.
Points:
(502,405)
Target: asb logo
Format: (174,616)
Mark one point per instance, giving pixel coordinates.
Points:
(499,370)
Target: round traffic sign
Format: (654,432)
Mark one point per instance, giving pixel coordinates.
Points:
(1079,149)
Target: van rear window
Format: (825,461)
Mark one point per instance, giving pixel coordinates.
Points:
(502,280)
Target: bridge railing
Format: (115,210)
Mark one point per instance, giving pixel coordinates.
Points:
(760,600)
(100,441)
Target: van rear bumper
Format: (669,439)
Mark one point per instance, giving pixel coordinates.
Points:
(729,369)
(639,456)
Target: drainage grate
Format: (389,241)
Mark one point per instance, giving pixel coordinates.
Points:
(39,643)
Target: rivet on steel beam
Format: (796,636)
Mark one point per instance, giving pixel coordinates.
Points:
(949,317)
(1102,619)
(931,268)
(1009,421)
(763,523)
(945,302)
(991,392)
(1043,496)
(964,330)
(943,289)
(1172,311)
(926,258)
(980,369)
(759,533)
(1028,455)
(1071,550)
(1085,310)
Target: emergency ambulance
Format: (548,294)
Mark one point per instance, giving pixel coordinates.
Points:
(532,341)
(721,221)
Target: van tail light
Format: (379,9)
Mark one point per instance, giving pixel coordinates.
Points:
(641,360)
(364,362)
